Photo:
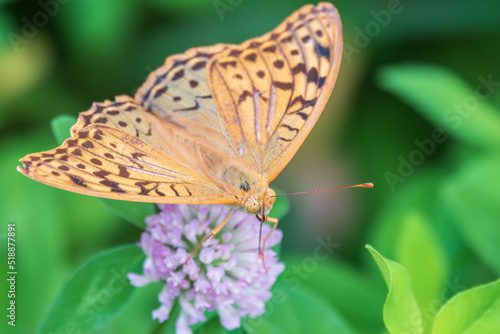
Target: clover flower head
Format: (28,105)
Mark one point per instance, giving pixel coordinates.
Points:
(226,275)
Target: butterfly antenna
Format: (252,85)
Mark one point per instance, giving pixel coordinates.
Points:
(362,185)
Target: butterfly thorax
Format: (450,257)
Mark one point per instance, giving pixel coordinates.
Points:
(252,191)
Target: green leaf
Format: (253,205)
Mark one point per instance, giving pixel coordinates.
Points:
(136,317)
(95,293)
(473,194)
(447,101)
(168,326)
(401,311)
(280,208)
(296,311)
(347,289)
(421,193)
(419,251)
(212,326)
(107,36)
(473,311)
(61,126)
(133,212)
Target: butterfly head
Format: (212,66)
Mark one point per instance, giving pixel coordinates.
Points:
(260,204)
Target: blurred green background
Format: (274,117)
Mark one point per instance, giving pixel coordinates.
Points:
(415,110)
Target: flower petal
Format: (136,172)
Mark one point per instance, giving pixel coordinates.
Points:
(215,274)
(138,280)
(229,318)
(161,313)
(207,255)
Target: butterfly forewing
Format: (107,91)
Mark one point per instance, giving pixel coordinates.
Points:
(272,89)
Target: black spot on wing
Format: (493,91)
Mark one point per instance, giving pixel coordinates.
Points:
(304,103)
(102,120)
(225,64)
(123,171)
(290,128)
(145,97)
(179,63)
(304,116)
(322,51)
(102,174)
(195,107)
(271,48)
(299,68)
(306,38)
(78,181)
(88,144)
(175,191)
(235,53)
(142,185)
(137,155)
(321,82)
(179,74)
(251,57)
(283,85)
(160,92)
(279,64)
(243,96)
(312,75)
(114,187)
(199,65)
(245,186)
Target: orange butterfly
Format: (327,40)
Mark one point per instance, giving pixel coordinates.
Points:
(212,125)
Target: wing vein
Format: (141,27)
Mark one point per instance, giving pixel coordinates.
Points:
(235,112)
(293,81)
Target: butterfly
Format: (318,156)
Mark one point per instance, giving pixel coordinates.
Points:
(213,125)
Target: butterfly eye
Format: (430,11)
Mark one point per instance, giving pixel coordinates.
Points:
(252,206)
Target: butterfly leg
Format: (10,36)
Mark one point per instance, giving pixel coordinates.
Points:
(212,233)
(262,220)
(274,221)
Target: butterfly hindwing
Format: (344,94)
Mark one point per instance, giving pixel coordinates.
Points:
(125,114)
(115,152)
(178,92)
